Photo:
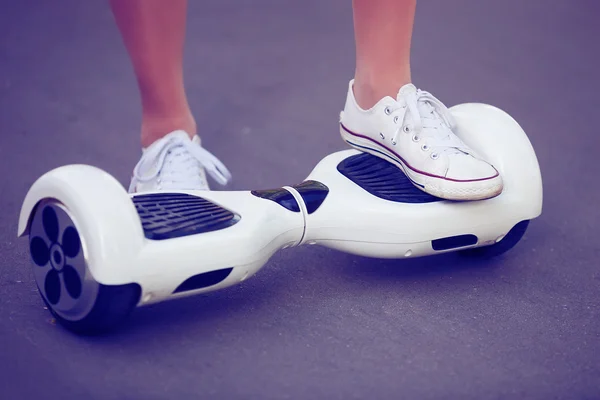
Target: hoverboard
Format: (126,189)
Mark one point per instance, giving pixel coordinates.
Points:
(98,252)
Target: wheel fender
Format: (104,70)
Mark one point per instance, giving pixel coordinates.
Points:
(107,221)
(496,136)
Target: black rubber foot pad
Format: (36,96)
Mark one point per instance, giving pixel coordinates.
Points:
(382,179)
(172,215)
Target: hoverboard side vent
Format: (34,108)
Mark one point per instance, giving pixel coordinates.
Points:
(382,179)
(453,242)
(203,280)
(172,215)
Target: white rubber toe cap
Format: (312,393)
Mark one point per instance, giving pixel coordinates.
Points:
(464,167)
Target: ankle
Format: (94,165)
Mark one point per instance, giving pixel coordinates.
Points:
(156,127)
(368,93)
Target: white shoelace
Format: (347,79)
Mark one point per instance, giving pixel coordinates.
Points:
(420,106)
(189,158)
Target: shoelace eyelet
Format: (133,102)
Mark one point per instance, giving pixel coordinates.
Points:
(425,147)
(435,156)
(393,142)
(396,119)
(387,111)
(406,129)
(416,138)
(381,134)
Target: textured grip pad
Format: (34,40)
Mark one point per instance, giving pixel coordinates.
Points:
(382,179)
(172,215)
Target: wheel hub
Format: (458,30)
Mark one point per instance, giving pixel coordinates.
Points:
(59,262)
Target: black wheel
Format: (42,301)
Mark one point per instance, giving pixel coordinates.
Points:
(508,242)
(64,281)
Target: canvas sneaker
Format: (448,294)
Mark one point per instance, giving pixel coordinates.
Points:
(177,162)
(415,132)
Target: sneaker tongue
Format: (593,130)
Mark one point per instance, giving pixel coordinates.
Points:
(406,90)
(175,134)
(181,170)
(428,120)
(410,90)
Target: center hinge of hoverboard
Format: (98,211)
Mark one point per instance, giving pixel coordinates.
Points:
(305,197)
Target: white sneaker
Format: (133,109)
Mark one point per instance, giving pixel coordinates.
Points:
(414,131)
(176,162)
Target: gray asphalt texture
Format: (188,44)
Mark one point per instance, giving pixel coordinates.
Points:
(266,80)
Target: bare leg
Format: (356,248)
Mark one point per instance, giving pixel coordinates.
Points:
(154,33)
(383,34)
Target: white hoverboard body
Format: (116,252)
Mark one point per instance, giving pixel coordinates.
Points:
(98,252)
